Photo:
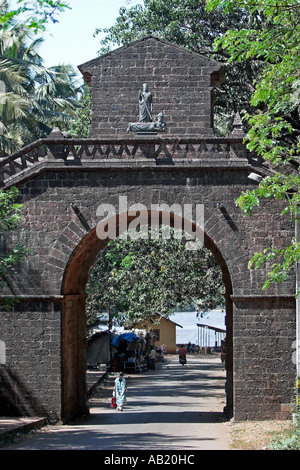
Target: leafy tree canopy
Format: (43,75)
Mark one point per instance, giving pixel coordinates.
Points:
(33,14)
(10,217)
(33,98)
(274,126)
(80,126)
(137,279)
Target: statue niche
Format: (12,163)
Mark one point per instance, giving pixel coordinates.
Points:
(146,124)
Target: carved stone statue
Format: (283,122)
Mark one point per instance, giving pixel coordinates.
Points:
(145,104)
(159,125)
(145,123)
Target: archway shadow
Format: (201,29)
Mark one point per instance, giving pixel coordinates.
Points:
(157,417)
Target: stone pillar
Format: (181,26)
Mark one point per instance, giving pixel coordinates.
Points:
(264,375)
(74,357)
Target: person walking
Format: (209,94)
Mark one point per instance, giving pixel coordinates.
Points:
(120,390)
(182,355)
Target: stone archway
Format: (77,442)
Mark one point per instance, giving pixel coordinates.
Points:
(62,181)
(74,316)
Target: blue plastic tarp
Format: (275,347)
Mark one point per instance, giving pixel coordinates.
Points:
(129,337)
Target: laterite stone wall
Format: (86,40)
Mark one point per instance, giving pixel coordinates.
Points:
(180,81)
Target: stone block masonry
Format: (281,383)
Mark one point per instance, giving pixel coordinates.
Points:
(180,81)
(33,366)
(263,347)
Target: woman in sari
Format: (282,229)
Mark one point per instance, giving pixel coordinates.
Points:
(120,390)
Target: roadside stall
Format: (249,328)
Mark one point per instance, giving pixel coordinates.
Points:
(128,351)
(99,349)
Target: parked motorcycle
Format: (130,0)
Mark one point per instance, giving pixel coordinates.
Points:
(182,359)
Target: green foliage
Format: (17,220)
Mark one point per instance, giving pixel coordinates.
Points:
(183,22)
(279,270)
(10,217)
(80,127)
(290,439)
(33,98)
(33,14)
(289,442)
(274,126)
(136,279)
(10,211)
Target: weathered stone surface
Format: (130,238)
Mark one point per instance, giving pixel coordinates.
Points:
(181,83)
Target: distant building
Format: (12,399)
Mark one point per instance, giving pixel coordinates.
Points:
(164,330)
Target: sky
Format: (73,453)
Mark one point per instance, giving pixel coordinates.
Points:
(71,40)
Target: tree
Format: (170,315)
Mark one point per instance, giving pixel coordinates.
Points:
(136,279)
(274,127)
(33,14)
(80,127)
(187,23)
(33,99)
(10,217)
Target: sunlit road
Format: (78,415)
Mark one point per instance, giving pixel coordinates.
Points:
(172,408)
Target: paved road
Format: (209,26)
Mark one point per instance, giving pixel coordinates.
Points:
(172,408)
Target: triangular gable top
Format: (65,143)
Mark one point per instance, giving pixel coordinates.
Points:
(181,82)
(215,66)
